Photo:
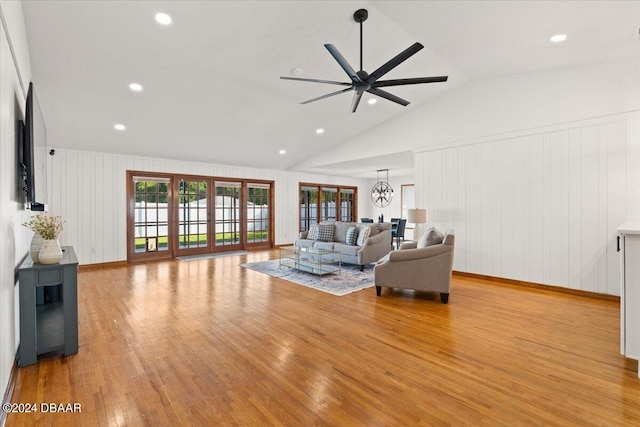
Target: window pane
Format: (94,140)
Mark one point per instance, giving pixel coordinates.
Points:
(227,222)
(328,203)
(192,214)
(150,214)
(308,207)
(258,212)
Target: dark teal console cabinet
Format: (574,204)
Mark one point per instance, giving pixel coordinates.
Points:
(48,307)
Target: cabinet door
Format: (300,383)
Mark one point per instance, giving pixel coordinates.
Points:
(630,301)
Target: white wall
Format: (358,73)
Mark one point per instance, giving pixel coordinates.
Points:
(538,206)
(88,190)
(14,239)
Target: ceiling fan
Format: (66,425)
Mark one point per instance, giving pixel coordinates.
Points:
(361,81)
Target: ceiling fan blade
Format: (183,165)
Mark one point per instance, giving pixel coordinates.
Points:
(413,81)
(343,63)
(386,95)
(394,62)
(327,95)
(331,82)
(356,100)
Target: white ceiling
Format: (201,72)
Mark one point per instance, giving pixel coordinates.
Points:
(212,91)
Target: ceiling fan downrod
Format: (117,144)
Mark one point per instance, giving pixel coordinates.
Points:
(360,16)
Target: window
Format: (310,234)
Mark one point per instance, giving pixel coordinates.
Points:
(407,198)
(326,203)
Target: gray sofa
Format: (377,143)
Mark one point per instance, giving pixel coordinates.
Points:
(376,246)
(423,265)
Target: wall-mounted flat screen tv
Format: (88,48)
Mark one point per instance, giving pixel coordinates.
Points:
(34,161)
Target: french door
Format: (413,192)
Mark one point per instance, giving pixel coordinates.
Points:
(227,216)
(179,215)
(192,206)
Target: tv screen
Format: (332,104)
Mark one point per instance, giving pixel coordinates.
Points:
(34,159)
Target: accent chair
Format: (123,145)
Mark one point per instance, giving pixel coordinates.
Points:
(424,265)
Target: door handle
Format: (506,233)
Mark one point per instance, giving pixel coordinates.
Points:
(618,244)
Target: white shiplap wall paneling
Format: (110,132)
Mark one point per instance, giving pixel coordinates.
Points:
(540,207)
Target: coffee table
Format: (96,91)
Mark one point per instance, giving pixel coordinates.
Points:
(312,260)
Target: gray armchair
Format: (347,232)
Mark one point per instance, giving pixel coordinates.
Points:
(425,268)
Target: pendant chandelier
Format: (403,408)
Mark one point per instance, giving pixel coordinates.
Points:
(382,193)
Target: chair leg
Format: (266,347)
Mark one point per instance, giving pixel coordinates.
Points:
(444,297)
(362,267)
(378,290)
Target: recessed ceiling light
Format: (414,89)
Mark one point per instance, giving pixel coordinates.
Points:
(319,131)
(558,38)
(296,71)
(119,126)
(136,87)
(372,101)
(282,152)
(163,18)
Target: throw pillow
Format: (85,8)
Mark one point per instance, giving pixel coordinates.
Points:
(430,238)
(375,229)
(325,232)
(352,236)
(363,235)
(313,232)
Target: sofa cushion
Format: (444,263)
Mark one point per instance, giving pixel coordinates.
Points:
(313,232)
(345,249)
(430,238)
(325,232)
(305,243)
(323,245)
(340,231)
(363,235)
(373,229)
(376,227)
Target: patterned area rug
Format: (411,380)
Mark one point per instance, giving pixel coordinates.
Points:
(350,279)
(205,256)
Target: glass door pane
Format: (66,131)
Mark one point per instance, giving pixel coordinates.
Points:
(347,205)
(258,196)
(227,214)
(150,215)
(308,207)
(328,202)
(193,219)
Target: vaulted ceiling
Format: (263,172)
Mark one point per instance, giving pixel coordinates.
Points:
(211,87)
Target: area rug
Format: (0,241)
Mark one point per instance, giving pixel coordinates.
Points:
(350,279)
(205,256)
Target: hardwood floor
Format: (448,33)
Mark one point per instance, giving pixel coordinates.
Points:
(210,343)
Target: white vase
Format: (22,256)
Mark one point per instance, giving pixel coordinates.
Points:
(34,249)
(50,252)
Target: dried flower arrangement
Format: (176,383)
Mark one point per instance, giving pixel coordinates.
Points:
(48,226)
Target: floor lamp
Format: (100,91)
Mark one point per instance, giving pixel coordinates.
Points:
(417,217)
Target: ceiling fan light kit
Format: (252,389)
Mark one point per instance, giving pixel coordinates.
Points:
(361,81)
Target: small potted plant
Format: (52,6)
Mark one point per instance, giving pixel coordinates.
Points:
(48,227)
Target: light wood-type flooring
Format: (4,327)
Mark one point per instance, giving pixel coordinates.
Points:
(208,343)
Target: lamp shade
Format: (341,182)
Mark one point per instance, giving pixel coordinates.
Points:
(417,216)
